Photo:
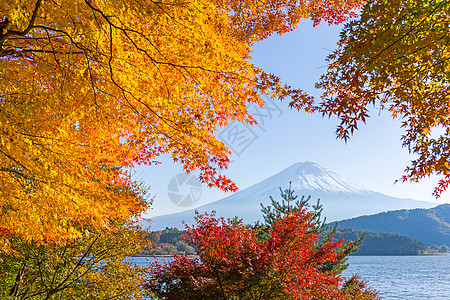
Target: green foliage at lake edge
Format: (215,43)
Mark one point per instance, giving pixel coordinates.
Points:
(376,243)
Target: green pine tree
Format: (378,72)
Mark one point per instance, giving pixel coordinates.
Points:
(290,203)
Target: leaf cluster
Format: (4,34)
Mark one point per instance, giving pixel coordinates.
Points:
(396,57)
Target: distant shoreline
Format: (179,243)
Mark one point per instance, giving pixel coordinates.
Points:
(163,255)
(422,254)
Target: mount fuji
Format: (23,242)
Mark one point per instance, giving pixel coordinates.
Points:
(340,198)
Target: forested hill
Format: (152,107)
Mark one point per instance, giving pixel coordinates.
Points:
(431,226)
(382,243)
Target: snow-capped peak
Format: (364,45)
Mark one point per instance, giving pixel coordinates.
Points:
(310,176)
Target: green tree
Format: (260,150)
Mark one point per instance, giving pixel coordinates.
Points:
(290,203)
(171,236)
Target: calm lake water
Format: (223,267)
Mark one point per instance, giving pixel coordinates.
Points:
(405,277)
(396,277)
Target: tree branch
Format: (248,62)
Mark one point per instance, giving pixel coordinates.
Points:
(29,27)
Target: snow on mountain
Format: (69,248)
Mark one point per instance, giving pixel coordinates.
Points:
(308,176)
(340,198)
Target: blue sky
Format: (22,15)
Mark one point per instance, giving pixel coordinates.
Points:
(373,158)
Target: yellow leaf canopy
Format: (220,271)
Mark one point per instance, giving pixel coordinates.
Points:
(91,87)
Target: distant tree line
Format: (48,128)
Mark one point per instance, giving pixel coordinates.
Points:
(169,242)
(438,249)
(375,243)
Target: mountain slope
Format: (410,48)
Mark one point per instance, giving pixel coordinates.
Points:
(431,226)
(379,243)
(340,198)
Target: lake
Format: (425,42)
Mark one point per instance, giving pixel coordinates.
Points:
(396,277)
(405,277)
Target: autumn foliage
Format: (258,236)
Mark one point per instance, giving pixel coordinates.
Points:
(234,263)
(91,267)
(396,57)
(92,87)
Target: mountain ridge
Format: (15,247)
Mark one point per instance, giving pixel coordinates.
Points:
(431,226)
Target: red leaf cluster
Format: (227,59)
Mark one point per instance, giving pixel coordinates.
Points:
(234,263)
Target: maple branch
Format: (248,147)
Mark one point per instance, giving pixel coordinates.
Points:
(66,247)
(93,86)
(404,35)
(30,26)
(14,160)
(76,44)
(8,52)
(15,288)
(77,265)
(124,30)
(154,61)
(420,49)
(124,92)
(51,51)
(425,69)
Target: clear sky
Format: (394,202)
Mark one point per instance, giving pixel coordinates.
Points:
(373,158)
